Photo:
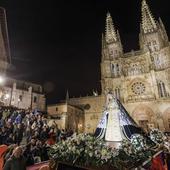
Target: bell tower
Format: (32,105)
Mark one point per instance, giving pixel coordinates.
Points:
(152,37)
(111,66)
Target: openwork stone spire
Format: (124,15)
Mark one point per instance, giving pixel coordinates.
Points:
(148,22)
(110,31)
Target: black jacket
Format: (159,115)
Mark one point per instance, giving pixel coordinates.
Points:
(14,163)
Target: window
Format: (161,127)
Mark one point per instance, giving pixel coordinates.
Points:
(56,108)
(149,43)
(138,88)
(111,53)
(20,98)
(117,68)
(154,42)
(35,99)
(117,93)
(87,107)
(155,48)
(162,89)
(112,66)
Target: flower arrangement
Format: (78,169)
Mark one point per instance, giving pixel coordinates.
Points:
(160,139)
(87,151)
(83,150)
(157,136)
(138,142)
(135,151)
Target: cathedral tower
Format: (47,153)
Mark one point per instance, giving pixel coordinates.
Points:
(140,78)
(112,51)
(153,37)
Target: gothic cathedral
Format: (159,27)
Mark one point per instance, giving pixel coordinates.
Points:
(140,79)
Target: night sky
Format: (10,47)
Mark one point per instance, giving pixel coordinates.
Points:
(58,43)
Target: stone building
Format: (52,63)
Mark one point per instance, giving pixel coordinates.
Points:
(23,95)
(67,116)
(140,79)
(17,93)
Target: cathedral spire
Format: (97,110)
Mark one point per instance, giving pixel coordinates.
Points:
(67,97)
(110,31)
(148,21)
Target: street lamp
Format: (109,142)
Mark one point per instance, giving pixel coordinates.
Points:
(7,96)
(2,79)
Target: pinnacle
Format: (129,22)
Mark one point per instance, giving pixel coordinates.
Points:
(110,30)
(148,21)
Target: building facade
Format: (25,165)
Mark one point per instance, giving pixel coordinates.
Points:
(67,116)
(21,94)
(16,93)
(140,79)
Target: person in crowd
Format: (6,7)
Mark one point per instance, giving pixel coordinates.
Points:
(18,134)
(32,131)
(3,149)
(9,152)
(10,139)
(16,161)
(52,137)
(44,134)
(28,155)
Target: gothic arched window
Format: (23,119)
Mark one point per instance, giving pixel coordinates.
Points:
(117,69)
(112,66)
(117,92)
(162,89)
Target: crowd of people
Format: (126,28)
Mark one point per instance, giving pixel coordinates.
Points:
(27,131)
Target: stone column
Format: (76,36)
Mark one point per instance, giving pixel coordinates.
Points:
(154,84)
(30,97)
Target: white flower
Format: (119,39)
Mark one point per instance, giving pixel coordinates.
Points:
(90,154)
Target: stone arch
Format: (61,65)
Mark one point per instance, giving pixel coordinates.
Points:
(144,116)
(166,119)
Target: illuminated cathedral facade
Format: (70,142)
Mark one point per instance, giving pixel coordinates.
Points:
(139,79)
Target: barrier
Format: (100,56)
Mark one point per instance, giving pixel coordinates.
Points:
(37,166)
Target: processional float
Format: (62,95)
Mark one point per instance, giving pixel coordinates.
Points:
(116,124)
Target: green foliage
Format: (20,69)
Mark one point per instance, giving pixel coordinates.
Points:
(85,150)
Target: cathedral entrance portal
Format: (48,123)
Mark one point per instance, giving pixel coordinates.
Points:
(143,115)
(143,124)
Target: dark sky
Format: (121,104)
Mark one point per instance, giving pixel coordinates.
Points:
(58,43)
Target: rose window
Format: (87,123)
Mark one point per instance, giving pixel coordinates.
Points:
(138,88)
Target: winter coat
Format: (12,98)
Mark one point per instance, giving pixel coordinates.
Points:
(14,163)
